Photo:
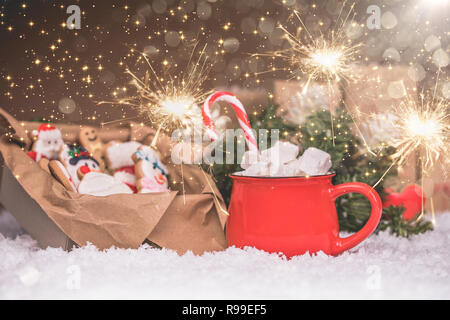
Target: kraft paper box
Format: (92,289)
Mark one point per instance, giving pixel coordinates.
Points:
(57,217)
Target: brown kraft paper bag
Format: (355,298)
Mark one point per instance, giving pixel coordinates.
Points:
(182,220)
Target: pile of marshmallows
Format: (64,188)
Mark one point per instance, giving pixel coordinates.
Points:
(281,161)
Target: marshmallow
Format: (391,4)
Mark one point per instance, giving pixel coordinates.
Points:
(249,158)
(314,162)
(280,153)
(293,167)
(281,171)
(257,169)
(281,161)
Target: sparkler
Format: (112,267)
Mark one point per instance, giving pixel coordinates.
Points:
(174,104)
(170,101)
(323,58)
(423,128)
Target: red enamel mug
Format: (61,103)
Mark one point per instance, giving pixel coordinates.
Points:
(294,215)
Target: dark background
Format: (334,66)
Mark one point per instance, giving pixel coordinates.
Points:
(87,65)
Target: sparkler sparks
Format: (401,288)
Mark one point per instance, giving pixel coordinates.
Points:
(170,101)
(322,58)
(424,128)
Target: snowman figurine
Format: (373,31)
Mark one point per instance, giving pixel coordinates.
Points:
(78,162)
(150,172)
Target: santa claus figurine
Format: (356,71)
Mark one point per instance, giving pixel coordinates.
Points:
(47,143)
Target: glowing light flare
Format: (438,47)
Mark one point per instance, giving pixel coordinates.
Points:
(322,57)
(423,127)
(425,130)
(171,101)
(177,107)
(328,61)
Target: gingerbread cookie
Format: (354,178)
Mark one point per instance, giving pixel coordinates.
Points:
(43,164)
(101,184)
(47,143)
(151,174)
(61,174)
(118,157)
(90,140)
(74,157)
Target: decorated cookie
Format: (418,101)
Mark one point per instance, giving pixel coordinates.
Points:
(118,157)
(43,164)
(90,140)
(85,169)
(75,157)
(47,143)
(119,154)
(102,184)
(151,174)
(61,174)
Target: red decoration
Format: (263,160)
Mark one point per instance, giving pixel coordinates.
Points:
(44,127)
(410,198)
(85,170)
(34,155)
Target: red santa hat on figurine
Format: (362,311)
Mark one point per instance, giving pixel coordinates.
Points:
(47,142)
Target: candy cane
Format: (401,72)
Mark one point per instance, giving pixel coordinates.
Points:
(240,114)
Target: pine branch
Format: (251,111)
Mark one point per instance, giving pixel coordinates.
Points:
(393,221)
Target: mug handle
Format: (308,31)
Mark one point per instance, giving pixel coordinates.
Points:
(343,244)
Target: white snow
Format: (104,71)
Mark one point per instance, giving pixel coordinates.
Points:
(381,267)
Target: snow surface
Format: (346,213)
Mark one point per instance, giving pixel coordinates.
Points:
(381,267)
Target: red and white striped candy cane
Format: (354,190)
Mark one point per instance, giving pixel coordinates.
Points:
(240,114)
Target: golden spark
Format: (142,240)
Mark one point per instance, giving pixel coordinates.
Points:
(424,127)
(171,101)
(323,57)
